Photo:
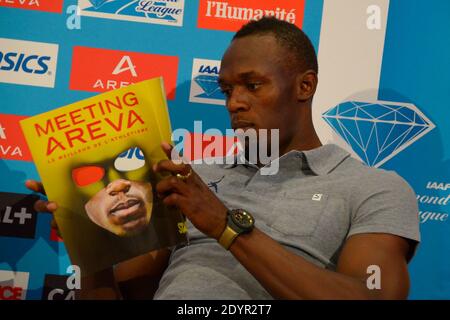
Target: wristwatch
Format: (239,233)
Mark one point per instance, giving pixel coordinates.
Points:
(239,221)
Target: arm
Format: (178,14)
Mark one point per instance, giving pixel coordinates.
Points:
(288,276)
(284,274)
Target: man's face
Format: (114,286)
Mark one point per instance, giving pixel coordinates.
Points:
(123,207)
(259,86)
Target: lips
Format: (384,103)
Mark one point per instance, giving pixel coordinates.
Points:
(124,205)
(241,124)
(127,211)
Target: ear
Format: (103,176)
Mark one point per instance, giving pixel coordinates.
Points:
(306,85)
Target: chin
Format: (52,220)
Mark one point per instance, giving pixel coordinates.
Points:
(134,227)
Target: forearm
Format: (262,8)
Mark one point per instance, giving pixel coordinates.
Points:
(287,276)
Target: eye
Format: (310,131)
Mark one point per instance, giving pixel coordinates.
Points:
(87,175)
(226,91)
(253,86)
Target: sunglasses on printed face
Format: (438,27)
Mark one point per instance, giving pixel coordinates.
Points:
(130,160)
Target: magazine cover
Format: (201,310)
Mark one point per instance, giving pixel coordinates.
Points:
(95,160)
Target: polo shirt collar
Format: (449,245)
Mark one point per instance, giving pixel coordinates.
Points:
(325,159)
(320,161)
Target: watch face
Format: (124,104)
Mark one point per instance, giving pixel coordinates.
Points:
(242,218)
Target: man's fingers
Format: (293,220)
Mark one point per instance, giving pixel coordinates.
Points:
(35,186)
(171,184)
(172,153)
(170,166)
(45,206)
(174,200)
(167,148)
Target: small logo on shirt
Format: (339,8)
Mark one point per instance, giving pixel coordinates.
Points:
(213,184)
(317,197)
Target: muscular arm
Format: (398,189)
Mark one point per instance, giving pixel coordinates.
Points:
(287,276)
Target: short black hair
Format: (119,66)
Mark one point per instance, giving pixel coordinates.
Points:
(288,35)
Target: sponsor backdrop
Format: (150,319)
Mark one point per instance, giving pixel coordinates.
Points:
(383,90)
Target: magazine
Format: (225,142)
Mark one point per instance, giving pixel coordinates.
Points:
(95,160)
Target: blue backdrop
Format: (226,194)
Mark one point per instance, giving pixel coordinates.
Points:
(415,69)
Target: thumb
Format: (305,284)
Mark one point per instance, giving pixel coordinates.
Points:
(167,148)
(171,153)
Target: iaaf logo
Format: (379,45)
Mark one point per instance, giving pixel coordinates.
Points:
(12,141)
(41,5)
(13,285)
(204,82)
(28,62)
(167,12)
(230,15)
(100,70)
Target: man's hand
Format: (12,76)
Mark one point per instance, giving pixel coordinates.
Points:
(192,196)
(42,205)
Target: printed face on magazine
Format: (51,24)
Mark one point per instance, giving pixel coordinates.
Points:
(118,192)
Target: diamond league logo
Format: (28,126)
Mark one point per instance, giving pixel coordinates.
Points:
(167,12)
(377,131)
(204,83)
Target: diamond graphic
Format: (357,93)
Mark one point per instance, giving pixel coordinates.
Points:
(378,131)
(210,86)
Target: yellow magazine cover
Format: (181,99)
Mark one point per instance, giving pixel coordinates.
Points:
(95,160)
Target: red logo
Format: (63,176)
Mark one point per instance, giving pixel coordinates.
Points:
(201,146)
(10,293)
(230,15)
(12,142)
(100,70)
(41,5)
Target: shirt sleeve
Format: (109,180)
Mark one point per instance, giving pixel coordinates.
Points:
(385,203)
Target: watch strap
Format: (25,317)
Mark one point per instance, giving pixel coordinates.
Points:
(227,237)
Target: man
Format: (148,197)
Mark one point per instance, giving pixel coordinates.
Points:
(312,231)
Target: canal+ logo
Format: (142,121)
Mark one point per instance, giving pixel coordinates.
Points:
(204,82)
(27,62)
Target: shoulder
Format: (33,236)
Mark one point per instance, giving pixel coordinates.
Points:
(369,179)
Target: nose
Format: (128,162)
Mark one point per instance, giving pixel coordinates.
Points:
(236,101)
(119,185)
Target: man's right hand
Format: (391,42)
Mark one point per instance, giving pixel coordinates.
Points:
(42,205)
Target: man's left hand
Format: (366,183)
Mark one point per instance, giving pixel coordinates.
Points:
(191,195)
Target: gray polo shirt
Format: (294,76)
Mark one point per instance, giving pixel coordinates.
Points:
(315,202)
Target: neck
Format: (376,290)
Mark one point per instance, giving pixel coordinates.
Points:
(305,139)
(303,136)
